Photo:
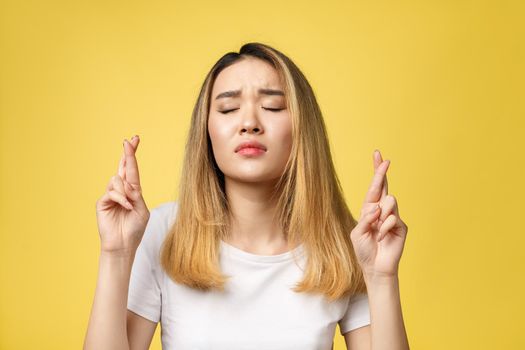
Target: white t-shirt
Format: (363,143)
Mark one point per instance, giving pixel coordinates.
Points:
(258,309)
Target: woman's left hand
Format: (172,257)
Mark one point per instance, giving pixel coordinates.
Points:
(380,234)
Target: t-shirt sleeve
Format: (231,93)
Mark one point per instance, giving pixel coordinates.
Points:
(144,294)
(357,314)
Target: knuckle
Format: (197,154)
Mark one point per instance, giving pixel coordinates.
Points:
(115,180)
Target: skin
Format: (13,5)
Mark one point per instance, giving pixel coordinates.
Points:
(122,214)
(379,236)
(250,180)
(378,241)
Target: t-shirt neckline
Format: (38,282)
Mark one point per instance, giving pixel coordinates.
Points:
(234,251)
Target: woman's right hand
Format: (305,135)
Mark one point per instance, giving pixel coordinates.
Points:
(122,214)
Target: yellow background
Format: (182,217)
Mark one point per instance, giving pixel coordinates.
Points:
(437,86)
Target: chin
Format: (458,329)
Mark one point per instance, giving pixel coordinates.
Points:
(252,178)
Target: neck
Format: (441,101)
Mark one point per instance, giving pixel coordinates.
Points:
(254,226)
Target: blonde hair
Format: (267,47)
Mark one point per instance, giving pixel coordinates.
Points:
(310,202)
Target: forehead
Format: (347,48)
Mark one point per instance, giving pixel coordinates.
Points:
(247,73)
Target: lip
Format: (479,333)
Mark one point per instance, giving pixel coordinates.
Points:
(250,151)
(251,144)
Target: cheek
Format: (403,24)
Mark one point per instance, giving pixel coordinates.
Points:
(284,132)
(220,134)
(215,131)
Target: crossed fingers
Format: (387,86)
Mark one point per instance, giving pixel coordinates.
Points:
(127,172)
(377,197)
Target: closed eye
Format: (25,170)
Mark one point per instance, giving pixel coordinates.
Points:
(228,111)
(274,109)
(268,109)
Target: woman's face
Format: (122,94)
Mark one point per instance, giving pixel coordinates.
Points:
(248,104)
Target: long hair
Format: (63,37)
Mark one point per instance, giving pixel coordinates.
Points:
(310,203)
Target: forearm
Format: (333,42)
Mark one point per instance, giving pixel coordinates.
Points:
(107,323)
(387,326)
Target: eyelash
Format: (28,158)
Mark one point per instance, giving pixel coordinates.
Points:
(268,109)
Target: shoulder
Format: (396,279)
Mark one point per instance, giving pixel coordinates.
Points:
(164,213)
(161,218)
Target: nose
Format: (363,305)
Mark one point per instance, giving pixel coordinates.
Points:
(250,121)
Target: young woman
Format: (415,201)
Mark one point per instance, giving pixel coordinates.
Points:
(260,251)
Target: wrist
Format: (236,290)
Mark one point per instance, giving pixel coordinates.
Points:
(116,266)
(120,255)
(378,279)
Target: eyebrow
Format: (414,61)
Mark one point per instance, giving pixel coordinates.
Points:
(237,93)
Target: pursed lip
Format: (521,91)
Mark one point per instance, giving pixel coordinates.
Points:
(250,144)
